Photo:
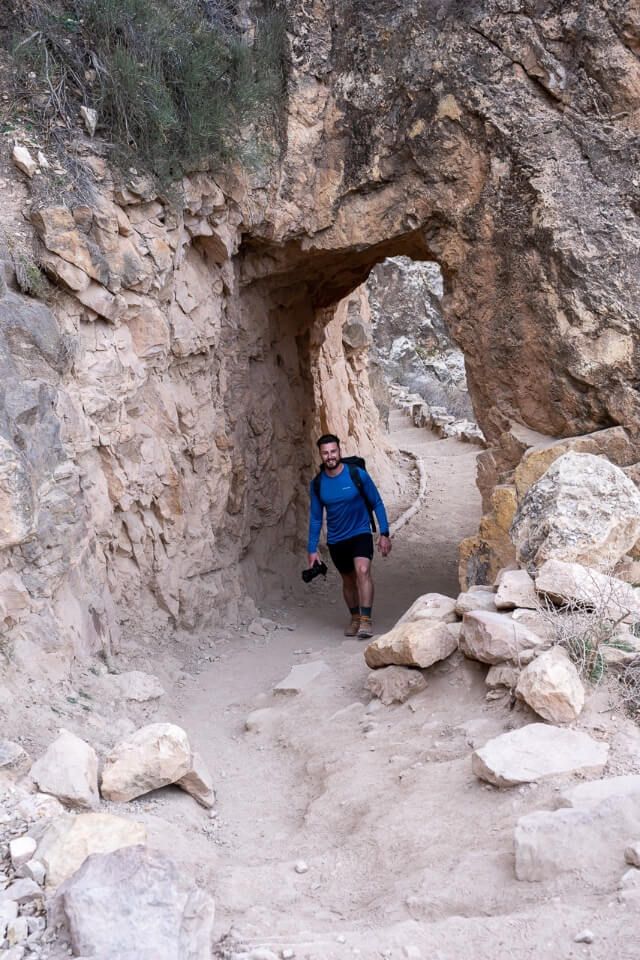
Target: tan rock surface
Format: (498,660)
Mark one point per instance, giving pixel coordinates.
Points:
(152,757)
(417,643)
(551,686)
(395,684)
(515,588)
(430,606)
(198,783)
(573,583)
(69,840)
(495,637)
(69,771)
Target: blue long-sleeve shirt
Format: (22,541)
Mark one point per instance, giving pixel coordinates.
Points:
(347,513)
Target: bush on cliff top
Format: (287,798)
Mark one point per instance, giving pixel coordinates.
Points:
(173,81)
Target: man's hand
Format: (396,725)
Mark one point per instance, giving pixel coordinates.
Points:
(313,558)
(384,545)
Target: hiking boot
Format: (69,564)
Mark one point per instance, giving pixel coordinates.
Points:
(352,629)
(366,628)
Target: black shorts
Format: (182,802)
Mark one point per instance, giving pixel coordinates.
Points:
(344,551)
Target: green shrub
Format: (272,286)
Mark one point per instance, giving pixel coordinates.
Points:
(173,81)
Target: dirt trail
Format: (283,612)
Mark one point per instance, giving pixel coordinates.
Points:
(405,853)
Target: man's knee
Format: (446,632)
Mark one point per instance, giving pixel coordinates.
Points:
(362,570)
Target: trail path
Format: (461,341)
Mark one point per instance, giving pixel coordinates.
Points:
(405,853)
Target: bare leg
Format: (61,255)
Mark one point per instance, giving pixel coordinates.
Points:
(364,581)
(350,589)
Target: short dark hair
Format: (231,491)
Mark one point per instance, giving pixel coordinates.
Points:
(327,438)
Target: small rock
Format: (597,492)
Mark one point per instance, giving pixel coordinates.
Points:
(301,866)
(17,931)
(632,854)
(585,936)
(152,757)
(395,684)
(516,589)
(13,759)
(415,643)
(495,637)
(430,606)
(39,806)
(8,912)
(15,953)
(22,891)
(257,629)
(630,880)
(23,160)
(550,685)
(90,119)
(137,685)
(42,161)
(300,677)
(21,850)
(198,783)
(288,953)
(69,771)
(502,675)
(34,870)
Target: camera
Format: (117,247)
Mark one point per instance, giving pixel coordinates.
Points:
(318,568)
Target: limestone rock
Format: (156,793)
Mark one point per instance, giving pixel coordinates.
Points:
(134,905)
(538,752)
(300,677)
(587,842)
(417,643)
(198,783)
(516,589)
(430,606)
(137,685)
(495,637)
(21,850)
(474,599)
(23,160)
(572,583)
(69,771)
(21,891)
(90,119)
(17,502)
(69,840)
(13,758)
(593,792)
(582,510)
(550,685)
(152,757)
(395,684)
(39,806)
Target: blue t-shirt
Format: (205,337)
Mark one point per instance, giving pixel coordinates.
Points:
(347,513)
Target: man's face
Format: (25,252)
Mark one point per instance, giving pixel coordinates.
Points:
(330,453)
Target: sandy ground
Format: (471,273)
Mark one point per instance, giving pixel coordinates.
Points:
(406,853)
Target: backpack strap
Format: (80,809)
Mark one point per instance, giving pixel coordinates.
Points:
(316,486)
(356,479)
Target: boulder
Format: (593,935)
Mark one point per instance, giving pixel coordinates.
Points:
(593,792)
(583,509)
(152,757)
(395,684)
(417,643)
(516,589)
(430,606)
(69,771)
(586,842)
(198,783)
(134,905)
(550,685)
(69,840)
(502,675)
(536,752)
(137,685)
(574,584)
(495,637)
(474,599)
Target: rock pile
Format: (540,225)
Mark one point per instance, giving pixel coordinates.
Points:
(57,861)
(436,418)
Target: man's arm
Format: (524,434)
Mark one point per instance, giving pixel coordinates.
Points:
(315,524)
(374,498)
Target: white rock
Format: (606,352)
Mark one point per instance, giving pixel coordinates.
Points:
(137,685)
(575,584)
(69,840)
(13,758)
(42,161)
(90,119)
(39,806)
(301,866)
(69,771)
(395,684)
(23,160)
(536,752)
(632,854)
(198,783)
(430,606)
(152,757)
(475,600)
(34,870)
(630,880)
(516,589)
(593,792)
(585,842)
(17,931)
(550,685)
(495,637)
(8,912)
(300,677)
(416,643)
(584,510)
(15,953)
(21,850)
(585,936)
(22,891)
(133,904)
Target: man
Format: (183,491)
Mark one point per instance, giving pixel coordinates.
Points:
(348,530)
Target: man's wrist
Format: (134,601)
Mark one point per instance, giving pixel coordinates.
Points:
(384,533)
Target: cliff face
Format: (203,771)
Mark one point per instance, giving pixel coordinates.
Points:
(157,419)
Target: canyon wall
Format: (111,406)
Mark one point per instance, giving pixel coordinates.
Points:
(158,416)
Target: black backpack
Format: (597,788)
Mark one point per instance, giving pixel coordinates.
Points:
(351,463)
